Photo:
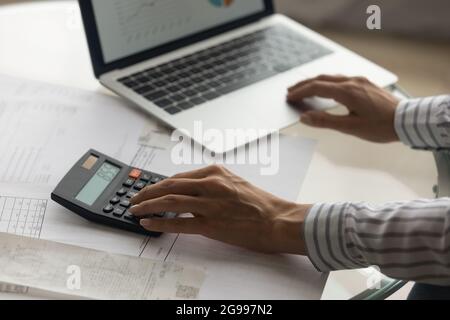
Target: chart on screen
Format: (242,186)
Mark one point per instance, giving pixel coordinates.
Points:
(138,22)
(128,27)
(222,3)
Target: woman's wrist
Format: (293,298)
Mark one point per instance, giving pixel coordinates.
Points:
(288,234)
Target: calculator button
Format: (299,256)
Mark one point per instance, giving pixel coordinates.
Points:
(108,209)
(130,217)
(122,192)
(155,180)
(140,185)
(115,200)
(131,194)
(129,183)
(118,212)
(146,177)
(125,204)
(135,174)
(159,215)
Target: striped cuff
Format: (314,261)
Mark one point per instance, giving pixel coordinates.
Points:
(423,123)
(325,238)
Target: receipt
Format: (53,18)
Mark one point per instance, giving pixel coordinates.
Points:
(85,273)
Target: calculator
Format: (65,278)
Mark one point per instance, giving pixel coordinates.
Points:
(99,189)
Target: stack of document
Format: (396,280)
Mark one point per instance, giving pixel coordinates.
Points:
(44,129)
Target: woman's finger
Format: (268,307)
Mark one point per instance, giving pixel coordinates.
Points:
(169,203)
(181,186)
(323,77)
(331,90)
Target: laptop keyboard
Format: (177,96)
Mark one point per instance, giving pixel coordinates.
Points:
(208,74)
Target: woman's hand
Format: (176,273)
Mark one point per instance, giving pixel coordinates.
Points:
(224,207)
(371,109)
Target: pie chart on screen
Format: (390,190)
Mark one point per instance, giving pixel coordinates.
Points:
(221,3)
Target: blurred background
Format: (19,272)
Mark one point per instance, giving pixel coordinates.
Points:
(414,41)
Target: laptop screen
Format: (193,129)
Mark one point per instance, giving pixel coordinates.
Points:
(133,26)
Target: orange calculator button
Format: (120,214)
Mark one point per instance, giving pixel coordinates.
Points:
(135,174)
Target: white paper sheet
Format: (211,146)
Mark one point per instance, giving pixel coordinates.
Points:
(87,273)
(45,129)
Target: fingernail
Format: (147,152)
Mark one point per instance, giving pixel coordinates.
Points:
(135,196)
(133,209)
(145,223)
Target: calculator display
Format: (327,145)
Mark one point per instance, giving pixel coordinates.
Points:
(98,183)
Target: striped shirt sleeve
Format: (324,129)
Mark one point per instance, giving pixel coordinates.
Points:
(405,240)
(424,123)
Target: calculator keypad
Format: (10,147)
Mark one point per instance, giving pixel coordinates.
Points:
(129,183)
(129,216)
(131,194)
(108,209)
(135,174)
(140,185)
(120,203)
(122,192)
(125,203)
(118,212)
(115,200)
(155,180)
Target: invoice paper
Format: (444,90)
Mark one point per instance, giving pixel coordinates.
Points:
(87,273)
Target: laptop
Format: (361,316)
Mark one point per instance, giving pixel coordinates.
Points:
(212,66)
